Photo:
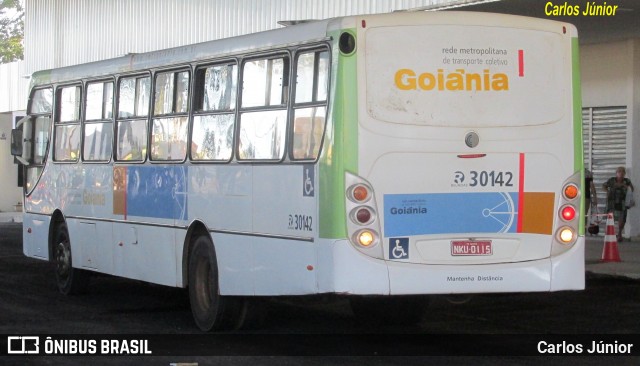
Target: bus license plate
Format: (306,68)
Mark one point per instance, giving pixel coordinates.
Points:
(471,247)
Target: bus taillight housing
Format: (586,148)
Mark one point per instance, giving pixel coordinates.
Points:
(363,224)
(568,222)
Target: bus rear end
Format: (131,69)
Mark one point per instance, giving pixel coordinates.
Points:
(469,153)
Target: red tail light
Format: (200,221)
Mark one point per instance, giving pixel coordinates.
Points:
(568,213)
(363,215)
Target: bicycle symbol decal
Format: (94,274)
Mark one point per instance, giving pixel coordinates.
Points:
(503,212)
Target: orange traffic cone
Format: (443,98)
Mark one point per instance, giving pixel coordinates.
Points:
(610,251)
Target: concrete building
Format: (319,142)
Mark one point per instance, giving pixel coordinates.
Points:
(67,32)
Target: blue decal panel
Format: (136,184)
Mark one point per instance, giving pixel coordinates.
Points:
(450,213)
(157,191)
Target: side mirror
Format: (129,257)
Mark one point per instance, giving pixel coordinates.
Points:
(16,142)
(18,139)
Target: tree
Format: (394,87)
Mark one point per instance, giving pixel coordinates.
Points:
(11,30)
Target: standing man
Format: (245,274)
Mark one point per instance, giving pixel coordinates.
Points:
(616,188)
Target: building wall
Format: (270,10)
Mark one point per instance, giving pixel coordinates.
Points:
(14,83)
(68,32)
(611,77)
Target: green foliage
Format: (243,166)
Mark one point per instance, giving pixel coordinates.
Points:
(11,30)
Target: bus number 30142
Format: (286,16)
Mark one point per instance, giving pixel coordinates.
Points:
(491,179)
(300,222)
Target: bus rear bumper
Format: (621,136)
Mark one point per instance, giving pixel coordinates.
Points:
(355,273)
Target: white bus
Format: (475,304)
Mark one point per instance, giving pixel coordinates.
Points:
(390,156)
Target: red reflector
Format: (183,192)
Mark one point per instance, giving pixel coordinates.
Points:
(364,23)
(363,215)
(471,156)
(568,213)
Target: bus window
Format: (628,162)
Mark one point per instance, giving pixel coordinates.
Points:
(213,128)
(312,71)
(212,137)
(169,138)
(308,126)
(133,108)
(262,133)
(41,101)
(98,128)
(171,100)
(67,126)
(134,97)
(132,140)
(264,83)
(218,86)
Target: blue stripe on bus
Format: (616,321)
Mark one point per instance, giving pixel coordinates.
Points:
(450,213)
(157,191)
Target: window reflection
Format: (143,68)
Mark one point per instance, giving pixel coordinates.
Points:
(132,140)
(97,141)
(219,86)
(169,139)
(212,137)
(308,127)
(262,135)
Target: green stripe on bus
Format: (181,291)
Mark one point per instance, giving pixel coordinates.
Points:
(578,158)
(340,151)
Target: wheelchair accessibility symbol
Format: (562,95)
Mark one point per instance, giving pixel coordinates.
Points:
(307,181)
(399,248)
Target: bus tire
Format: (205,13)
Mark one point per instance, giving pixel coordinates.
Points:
(210,310)
(71,281)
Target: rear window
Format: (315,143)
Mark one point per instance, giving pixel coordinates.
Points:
(466,76)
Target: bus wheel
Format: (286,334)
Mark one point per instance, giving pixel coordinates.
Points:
(70,280)
(210,310)
(383,310)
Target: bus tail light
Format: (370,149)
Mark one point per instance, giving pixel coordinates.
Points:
(571,191)
(566,235)
(363,215)
(363,226)
(568,224)
(568,213)
(359,193)
(366,238)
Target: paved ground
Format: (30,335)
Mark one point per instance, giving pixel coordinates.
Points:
(629,254)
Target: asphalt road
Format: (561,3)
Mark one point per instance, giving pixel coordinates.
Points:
(31,304)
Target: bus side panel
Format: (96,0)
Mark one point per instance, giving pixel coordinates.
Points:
(343,269)
(284,267)
(145,253)
(567,270)
(235,264)
(36,242)
(285,206)
(90,244)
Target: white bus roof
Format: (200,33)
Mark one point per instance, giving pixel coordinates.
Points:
(260,41)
